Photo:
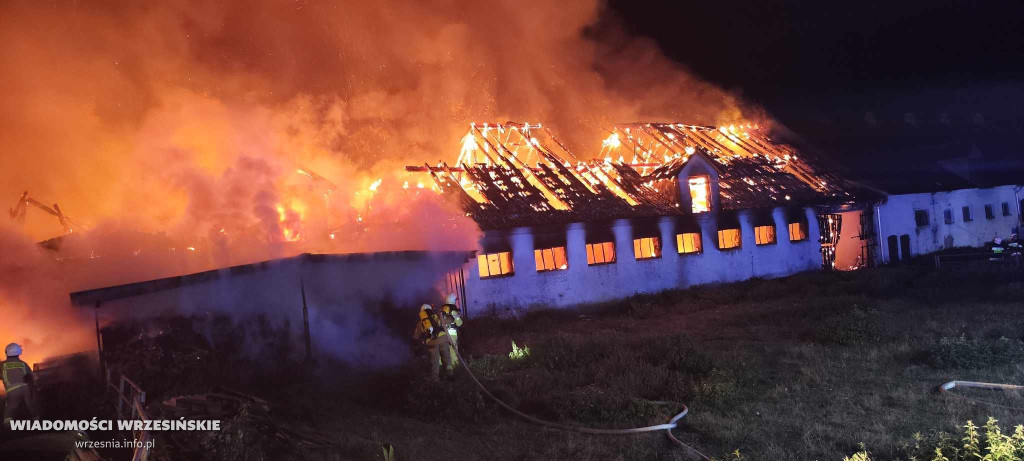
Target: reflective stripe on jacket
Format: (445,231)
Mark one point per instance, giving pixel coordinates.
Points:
(14,373)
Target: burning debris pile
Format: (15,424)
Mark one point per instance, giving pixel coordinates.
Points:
(516,174)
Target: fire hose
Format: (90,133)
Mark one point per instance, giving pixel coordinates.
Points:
(667,427)
(990,386)
(947,387)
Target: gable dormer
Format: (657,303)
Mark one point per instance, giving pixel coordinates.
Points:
(698,185)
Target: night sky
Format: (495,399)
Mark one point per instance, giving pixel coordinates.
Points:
(767,46)
(902,81)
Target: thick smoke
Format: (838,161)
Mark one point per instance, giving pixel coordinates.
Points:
(190,117)
(37,313)
(176,130)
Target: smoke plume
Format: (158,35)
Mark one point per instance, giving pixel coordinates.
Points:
(189,118)
(191,135)
(37,313)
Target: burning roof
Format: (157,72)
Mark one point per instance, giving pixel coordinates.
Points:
(520,174)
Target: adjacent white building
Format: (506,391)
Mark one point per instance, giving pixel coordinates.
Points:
(909,225)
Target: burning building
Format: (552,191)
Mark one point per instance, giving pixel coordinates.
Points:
(667,206)
(663,206)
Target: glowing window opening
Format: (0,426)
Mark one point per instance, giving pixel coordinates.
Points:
(797,231)
(764,235)
(700,194)
(728,239)
(688,243)
(550,259)
(495,264)
(647,248)
(600,253)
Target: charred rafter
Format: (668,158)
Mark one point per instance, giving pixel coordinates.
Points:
(518,174)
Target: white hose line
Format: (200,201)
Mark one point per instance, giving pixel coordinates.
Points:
(990,386)
(667,427)
(945,388)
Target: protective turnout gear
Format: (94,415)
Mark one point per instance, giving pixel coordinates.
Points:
(17,376)
(437,349)
(15,373)
(453,316)
(19,404)
(432,324)
(432,329)
(12,349)
(426,325)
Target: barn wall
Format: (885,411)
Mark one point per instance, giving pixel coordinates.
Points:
(582,284)
(895,216)
(345,296)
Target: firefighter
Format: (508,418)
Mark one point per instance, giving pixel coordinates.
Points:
(432,330)
(18,382)
(997,245)
(453,315)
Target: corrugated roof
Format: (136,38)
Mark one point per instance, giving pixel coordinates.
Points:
(104,294)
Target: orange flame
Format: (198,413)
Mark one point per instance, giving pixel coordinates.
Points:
(290,220)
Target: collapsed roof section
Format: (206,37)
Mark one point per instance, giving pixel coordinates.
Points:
(519,174)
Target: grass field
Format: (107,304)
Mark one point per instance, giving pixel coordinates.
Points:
(813,366)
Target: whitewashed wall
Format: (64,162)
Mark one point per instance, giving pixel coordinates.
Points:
(895,216)
(582,284)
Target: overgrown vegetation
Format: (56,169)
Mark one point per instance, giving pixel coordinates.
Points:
(856,326)
(987,443)
(608,379)
(806,367)
(966,353)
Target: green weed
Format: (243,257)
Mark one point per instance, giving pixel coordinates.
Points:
(987,443)
(856,326)
(966,353)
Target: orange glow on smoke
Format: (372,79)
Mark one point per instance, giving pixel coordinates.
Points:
(189,137)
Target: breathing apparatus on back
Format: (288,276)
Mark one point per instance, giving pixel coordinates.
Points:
(430,322)
(452,313)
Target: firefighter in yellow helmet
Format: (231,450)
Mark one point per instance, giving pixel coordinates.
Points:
(18,379)
(432,329)
(452,314)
